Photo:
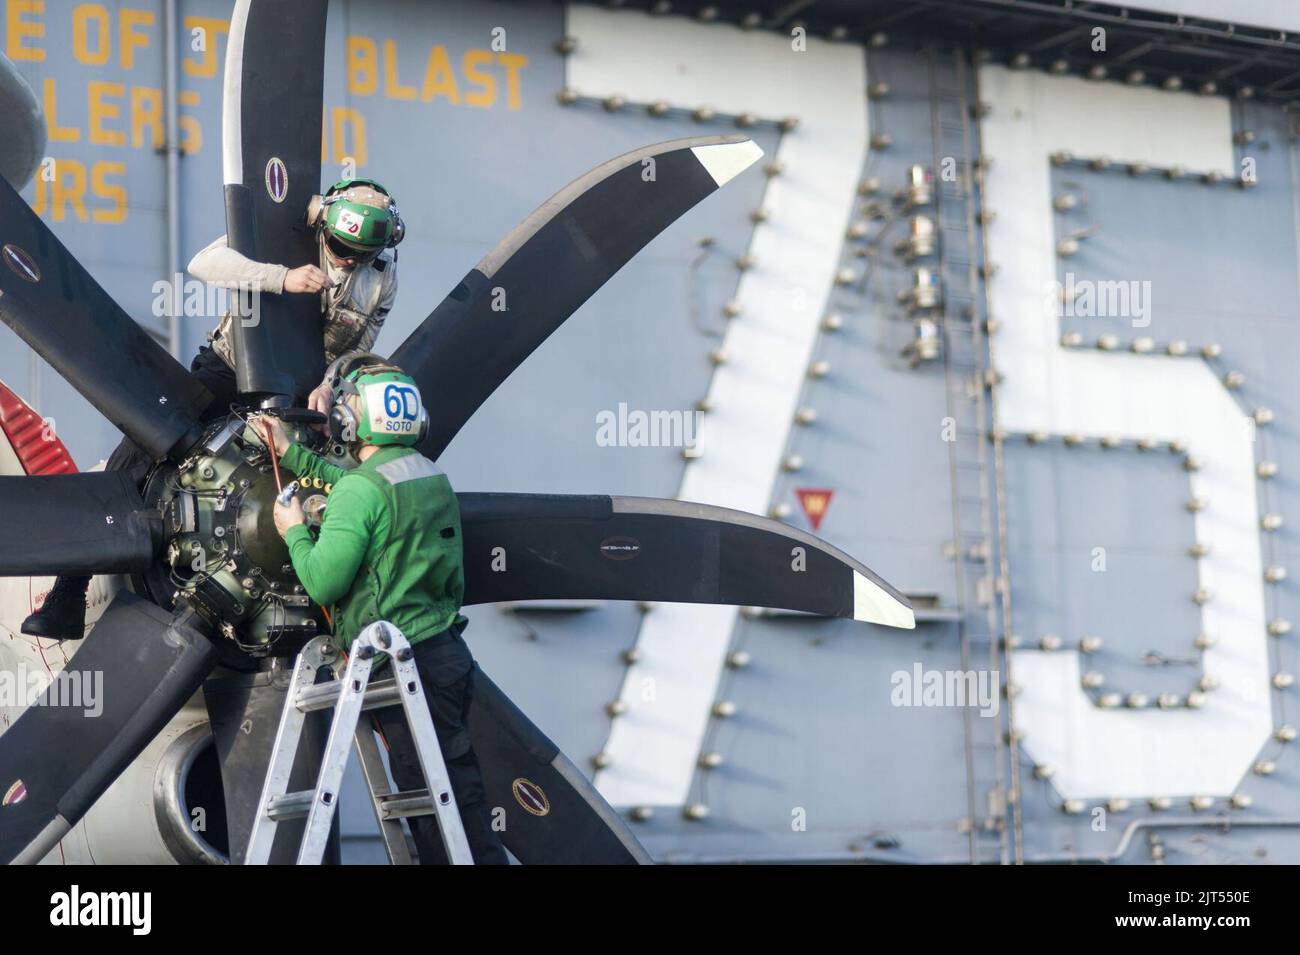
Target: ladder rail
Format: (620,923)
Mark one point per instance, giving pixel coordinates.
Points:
(438,780)
(288,735)
(347,712)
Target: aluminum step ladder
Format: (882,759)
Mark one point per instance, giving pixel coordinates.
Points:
(348,697)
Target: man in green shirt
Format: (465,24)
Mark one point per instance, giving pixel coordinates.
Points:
(389,548)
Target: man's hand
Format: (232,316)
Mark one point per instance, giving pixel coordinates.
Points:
(307,278)
(321,399)
(259,424)
(287,515)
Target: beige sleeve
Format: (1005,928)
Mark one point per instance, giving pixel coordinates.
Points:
(220,265)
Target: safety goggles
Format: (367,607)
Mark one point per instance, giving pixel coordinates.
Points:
(341,250)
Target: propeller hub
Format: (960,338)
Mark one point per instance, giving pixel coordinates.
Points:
(222,555)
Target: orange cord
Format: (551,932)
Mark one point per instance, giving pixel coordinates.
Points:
(275,458)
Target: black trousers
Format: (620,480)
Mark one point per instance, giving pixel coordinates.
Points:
(446,671)
(217,377)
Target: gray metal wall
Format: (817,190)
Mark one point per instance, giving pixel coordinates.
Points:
(815,727)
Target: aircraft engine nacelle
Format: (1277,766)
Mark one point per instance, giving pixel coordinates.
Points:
(166,808)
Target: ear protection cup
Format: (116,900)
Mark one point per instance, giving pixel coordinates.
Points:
(315,210)
(399,228)
(343,424)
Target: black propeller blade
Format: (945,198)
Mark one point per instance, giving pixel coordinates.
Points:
(23,143)
(134,672)
(554,816)
(271,143)
(91,523)
(555,260)
(536,546)
(56,307)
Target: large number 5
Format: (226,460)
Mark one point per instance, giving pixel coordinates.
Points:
(1101,753)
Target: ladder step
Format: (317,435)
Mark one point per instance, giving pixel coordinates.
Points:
(291,805)
(323,696)
(415,802)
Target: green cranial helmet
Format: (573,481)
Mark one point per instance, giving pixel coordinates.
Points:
(359,219)
(378,405)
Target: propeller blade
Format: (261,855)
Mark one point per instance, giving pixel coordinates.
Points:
(75,524)
(554,261)
(244,712)
(23,144)
(54,305)
(132,674)
(271,146)
(554,816)
(537,546)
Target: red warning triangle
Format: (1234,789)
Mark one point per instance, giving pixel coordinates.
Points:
(815,501)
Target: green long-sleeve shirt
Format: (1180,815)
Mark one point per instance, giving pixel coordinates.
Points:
(389,546)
